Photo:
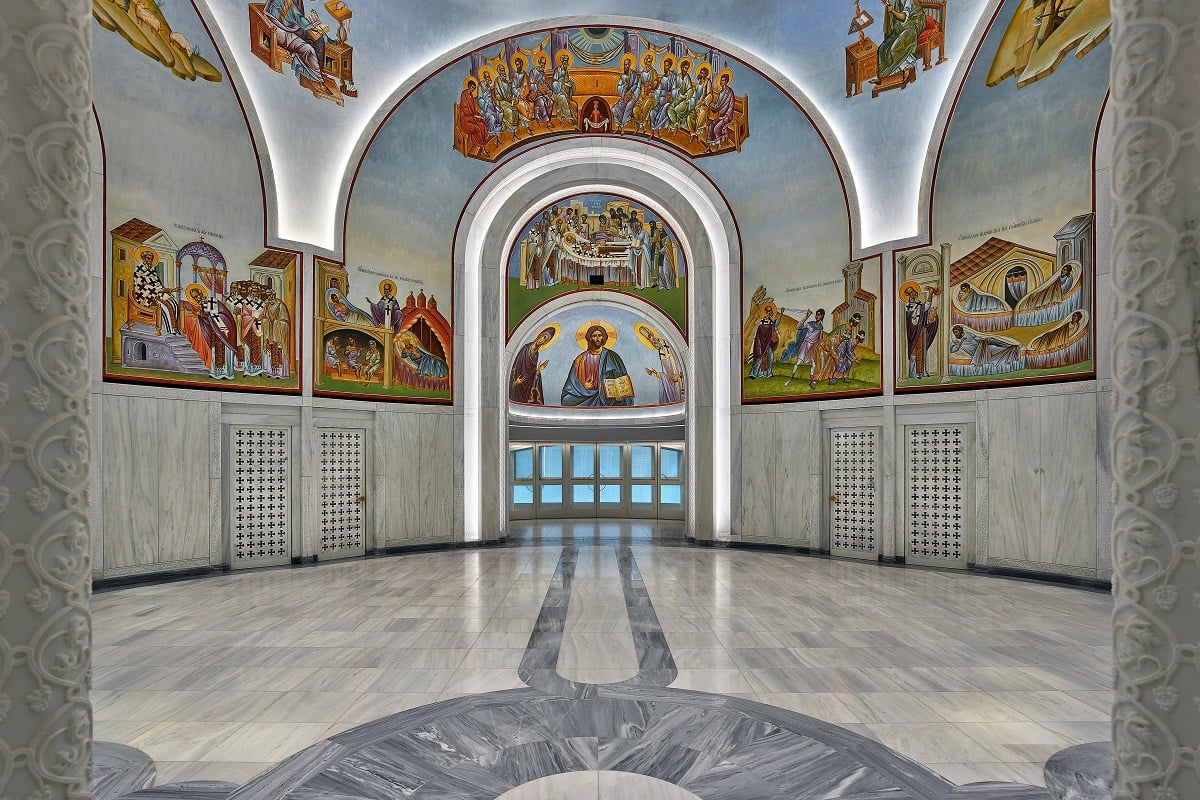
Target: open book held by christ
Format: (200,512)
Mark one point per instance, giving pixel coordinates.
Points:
(618,388)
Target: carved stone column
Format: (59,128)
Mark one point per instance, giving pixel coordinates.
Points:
(1156,376)
(45,627)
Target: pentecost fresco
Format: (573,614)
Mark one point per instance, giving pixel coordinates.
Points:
(597,241)
(599,81)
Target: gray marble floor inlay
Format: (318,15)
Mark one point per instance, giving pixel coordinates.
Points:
(539,666)
(480,746)
(118,770)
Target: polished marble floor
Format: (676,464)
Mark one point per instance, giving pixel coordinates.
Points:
(976,678)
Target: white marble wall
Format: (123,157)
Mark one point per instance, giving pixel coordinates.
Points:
(155,505)
(1039,472)
(416,486)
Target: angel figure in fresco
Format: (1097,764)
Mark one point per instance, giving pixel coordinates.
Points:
(670,377)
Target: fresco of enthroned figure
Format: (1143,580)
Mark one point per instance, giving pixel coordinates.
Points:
(638,83)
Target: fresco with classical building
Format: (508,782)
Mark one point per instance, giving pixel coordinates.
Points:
(1007,292)
(600,81)
(596,355)
(825,342)
(593,242)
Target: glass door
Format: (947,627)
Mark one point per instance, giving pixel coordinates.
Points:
(583,481)
(613,485)
(520,481)
(670,481)
(550,495)
(638,481)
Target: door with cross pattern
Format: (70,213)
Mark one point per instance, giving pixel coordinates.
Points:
(853,496)
(260,510)
(936,494)
(343,493)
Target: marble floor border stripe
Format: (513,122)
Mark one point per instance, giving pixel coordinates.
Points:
(656,665)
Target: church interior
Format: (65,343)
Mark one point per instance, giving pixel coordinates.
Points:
(652,400)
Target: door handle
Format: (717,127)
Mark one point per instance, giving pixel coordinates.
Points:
(833,498)
(362,498)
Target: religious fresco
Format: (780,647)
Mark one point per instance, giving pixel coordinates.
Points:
(1003,311)
(143,25)
(596,356)
(383,348)
(183,313)
(1006,292)
(597,241)
(912,38)
(826,343)
(1041,33)
(599,81)
(284,35)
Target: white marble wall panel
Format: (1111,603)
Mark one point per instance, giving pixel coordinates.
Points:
(183,451)
(436,468)
(398,435)
(795,435)
(759,449)
(1068,478)
(1013,480)
(130,501)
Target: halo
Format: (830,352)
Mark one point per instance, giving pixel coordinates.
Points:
(570,58)
(524,60)
(913,285)
(191,287)
(137,254)
(554,326)
(472,79)
(581,334)
(705,65)
(724,72)
(630,59)
(770,307)
(387,282)
(668,56)
(685,60)
(646,326)
(496,64)
(540,54)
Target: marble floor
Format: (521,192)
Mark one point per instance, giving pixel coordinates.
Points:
(976,678)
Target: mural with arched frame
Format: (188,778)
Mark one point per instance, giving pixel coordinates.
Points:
(597,241)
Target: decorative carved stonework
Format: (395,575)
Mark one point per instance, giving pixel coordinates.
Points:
(1156,447)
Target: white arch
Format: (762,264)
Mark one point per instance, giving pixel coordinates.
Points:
(584,157)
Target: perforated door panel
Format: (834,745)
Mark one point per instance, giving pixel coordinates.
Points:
(935,496)
(260,521)
(343,493)
(854,504)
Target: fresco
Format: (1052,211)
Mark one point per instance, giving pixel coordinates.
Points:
(594,241)
(1041,33)
(599,81)
(596,356)
(911,33)
(184,314)
(1006,294)
(828,344)
(143,25)
(192,298)
(385,348)
(283,34)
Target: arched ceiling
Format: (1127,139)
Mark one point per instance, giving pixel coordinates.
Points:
(310,148)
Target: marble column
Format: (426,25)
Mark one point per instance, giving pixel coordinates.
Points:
(1156,378)
(45,627)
